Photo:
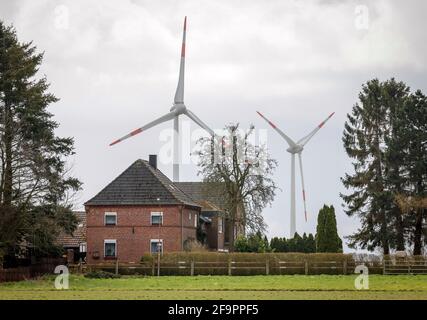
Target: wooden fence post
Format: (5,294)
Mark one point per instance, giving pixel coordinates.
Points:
(152,267)
(229,267)
(117,266)
(267,267)
(192,268)
(344,268)
(306,267)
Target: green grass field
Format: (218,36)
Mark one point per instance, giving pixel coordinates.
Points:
(220,287)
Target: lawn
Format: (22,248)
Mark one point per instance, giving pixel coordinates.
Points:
(221,287)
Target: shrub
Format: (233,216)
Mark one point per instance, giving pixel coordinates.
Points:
(101,275)
(253,243)
(192,245)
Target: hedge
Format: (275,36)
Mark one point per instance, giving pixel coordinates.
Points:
(213,263)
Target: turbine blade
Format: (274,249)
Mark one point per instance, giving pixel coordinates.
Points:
(284,136)
(302,184)
(193,117)
(166,117)
(303,141)
(179,94)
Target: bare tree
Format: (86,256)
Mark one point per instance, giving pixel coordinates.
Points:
(240,173)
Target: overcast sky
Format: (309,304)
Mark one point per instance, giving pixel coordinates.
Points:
(114,64)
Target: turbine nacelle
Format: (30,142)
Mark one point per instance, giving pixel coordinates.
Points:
(295,149)
(178,109)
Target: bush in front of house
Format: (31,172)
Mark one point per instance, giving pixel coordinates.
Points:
(101,275)
(193,245)
(252,243)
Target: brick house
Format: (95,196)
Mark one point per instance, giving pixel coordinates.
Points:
(139,212)
(75,244)
(212,221)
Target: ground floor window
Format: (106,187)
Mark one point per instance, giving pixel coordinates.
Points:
(110,248)
(156,245)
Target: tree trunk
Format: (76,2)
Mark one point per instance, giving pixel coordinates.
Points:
(7,140)
(231,235)
(400,239)
(418,232)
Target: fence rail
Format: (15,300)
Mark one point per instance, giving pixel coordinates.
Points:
(405,267)
(225,267)
(230,267)
(25,273)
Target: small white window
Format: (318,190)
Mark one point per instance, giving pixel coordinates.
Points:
(195,220)
(156,245)
(189,216)
(82,247)
(220,224)
(156,218)
(110,248)
(110,218)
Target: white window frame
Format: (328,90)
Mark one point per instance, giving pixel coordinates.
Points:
(189,216)
(220,225)
(110,214)
(109,241)
(156,240)
(156,213)
(83,247)
(195,220)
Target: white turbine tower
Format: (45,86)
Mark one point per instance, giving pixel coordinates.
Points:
(296,148)
(177,109)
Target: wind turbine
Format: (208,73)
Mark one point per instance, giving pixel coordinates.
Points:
(177,109)
(296,148)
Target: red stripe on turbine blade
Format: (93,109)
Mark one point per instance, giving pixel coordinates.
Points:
(185,23)
(115,142)
(183,50)
(134,132)
(331,115)
(321,125)
(269,122)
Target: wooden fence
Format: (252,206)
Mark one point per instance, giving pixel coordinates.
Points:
(404,267)
(192,268)
(229,267)
(25,273)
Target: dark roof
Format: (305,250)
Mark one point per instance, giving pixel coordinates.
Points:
(207,195)
(78,236)
(141,184)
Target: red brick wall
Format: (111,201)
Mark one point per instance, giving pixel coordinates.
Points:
(134,231)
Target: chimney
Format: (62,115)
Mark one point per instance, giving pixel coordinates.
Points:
(152,160)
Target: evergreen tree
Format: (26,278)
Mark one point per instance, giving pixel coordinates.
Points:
(365,134)
(413,150)
(385,135)
(311,244)
(34,184)
(327,239)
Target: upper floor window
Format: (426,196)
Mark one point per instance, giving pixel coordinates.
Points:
(195,220)
(110,218)
(156,218)
(110,248)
